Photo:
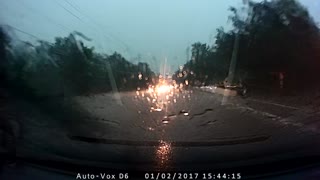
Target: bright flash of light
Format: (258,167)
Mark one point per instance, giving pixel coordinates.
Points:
(162,95)
(163,89)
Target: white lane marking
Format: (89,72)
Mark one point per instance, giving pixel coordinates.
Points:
(288,121)
(285,121)
(255,100)
(269,115)
(278,119)
(275,104)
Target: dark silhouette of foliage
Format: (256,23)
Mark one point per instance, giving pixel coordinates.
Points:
(275,36)
(67,67)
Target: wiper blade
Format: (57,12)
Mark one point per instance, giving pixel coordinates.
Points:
(217,142)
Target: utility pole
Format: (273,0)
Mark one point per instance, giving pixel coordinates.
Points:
(232,67)
(113,84)
(164,67)
(188,54)
(233,62)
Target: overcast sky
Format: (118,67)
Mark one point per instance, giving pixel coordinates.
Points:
(162,28)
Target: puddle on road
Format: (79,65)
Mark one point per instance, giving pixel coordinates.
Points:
(202,113)
(208,123)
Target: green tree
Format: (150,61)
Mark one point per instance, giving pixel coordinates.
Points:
(274,36)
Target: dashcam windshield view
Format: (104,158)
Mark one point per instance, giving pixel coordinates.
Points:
(224,89)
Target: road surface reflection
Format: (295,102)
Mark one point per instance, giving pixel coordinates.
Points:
(163,154)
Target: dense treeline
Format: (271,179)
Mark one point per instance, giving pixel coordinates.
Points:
(66,68)
(276,36)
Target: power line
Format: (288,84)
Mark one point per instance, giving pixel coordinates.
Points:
(65,28)
(126,47)
(68,11)
(74,14)
(93,21)
(56,51)
(84,14)
(74,7)
(24,32)
(77,17)
(35,37)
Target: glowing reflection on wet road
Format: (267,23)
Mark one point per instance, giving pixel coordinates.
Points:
(163,154)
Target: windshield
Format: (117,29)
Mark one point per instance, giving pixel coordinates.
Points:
(160,85)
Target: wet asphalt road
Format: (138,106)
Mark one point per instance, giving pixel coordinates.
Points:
(182,130)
